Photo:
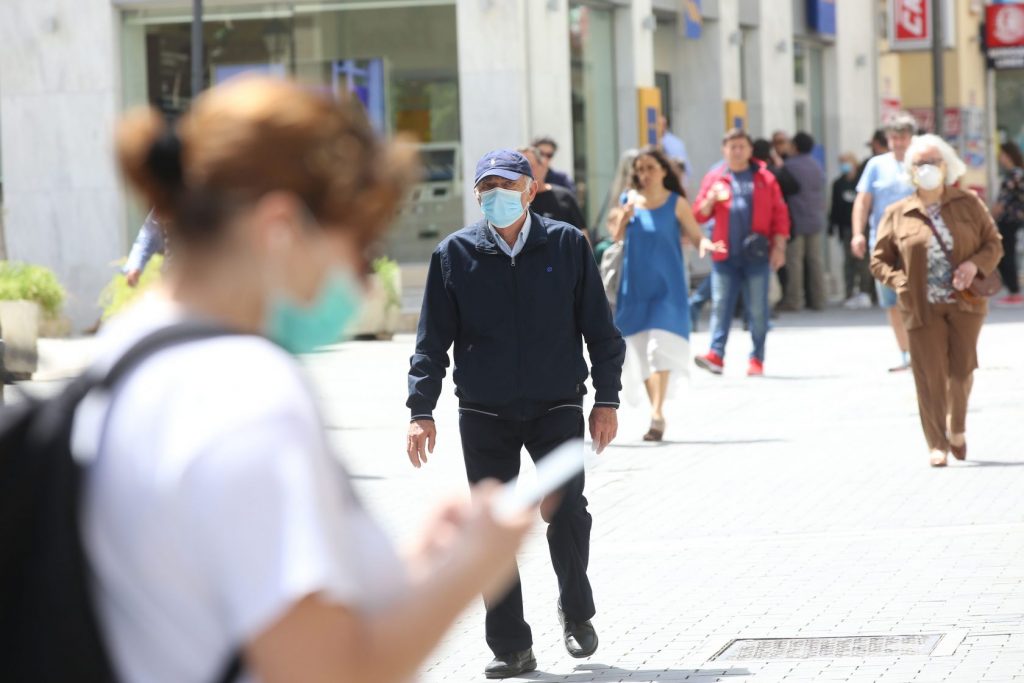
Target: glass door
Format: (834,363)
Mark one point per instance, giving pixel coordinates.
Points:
(594,125)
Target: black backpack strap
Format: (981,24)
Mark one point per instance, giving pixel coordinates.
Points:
(164,338)
(233,671)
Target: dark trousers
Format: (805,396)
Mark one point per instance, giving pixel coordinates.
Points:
(491,449)
(856,271)
(1008,265)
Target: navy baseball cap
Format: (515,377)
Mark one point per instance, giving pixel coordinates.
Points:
(504,163)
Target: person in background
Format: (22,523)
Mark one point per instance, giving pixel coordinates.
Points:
(765,153)
(929,248)
(150,240)
(805,252)
(701,294)
(235,530)
(553,201)
(1009,215)
(884,182)
(610,207)
(878,144)
(548,148)
(752,222)
(860,286)
(782,146)
(652,304)
(673,146)
(518,295)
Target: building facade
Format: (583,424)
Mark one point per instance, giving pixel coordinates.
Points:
(458,77)
(906,82)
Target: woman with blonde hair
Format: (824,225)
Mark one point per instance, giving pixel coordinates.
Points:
(938,249)
(217,523)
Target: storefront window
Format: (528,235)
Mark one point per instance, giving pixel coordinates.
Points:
(400,60)
(1010,105)
(595,139)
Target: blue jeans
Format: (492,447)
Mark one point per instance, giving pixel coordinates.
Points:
(700,296)
(728,279)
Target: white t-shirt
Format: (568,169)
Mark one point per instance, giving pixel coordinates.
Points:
(214,505)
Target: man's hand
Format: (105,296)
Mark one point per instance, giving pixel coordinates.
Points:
(132,276)
(859,245)
(422,434)
(777,257)
(604,425)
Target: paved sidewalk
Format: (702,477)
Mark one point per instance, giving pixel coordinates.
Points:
(795,505)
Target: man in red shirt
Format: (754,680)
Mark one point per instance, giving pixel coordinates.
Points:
(744,199)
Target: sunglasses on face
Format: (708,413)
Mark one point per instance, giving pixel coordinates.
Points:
(547,155)
(926,162)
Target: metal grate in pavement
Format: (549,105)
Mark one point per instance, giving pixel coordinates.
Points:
(828,648)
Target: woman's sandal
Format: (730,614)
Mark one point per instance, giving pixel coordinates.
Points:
(938,461)
(656,430)
(959,452)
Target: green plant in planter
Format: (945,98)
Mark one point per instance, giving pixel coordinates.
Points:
(117,295)
(387,272)
(28,282)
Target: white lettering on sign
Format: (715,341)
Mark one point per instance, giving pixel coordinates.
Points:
(911,18)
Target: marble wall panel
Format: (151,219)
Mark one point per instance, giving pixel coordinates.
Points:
(58,103)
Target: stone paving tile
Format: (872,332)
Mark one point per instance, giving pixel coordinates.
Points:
(795,505)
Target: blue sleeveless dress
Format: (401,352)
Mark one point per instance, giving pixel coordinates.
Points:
(653,292)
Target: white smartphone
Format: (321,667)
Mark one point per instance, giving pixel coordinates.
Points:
(553,471)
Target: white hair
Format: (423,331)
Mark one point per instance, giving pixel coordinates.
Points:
(955,168)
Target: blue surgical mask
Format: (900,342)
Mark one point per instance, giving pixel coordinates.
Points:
(502,207)
(302,328)
(845,167)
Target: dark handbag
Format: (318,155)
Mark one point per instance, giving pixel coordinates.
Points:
(982,286)
(755,248)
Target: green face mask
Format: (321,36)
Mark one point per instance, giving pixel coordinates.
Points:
(301,329)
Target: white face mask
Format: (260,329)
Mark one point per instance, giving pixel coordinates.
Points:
(928,176)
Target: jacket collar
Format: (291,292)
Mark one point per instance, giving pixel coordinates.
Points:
(754,168)
(914,203)
(485,238)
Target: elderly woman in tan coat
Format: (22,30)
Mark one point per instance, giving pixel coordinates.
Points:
(932,279)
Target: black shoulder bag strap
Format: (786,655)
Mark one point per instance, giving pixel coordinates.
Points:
(164,338)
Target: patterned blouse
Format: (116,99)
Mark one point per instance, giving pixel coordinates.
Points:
(1011,196)
(940,270)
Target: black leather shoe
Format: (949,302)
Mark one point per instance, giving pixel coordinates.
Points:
(579,636)
(511,664)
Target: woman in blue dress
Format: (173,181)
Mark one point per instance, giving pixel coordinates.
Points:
(652,308)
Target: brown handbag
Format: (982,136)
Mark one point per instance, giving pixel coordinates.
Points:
(982,286)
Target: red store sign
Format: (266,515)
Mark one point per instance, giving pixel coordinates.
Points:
(911,20)
(1004,36)
(1004,26)
(910,23)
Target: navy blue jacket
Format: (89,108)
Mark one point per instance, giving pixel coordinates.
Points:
(518,324)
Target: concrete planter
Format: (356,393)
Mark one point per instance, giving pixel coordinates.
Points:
(19,328)
(381,312)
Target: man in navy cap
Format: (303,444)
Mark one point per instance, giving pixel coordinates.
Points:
(518,294)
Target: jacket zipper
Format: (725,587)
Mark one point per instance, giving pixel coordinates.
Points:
(519,332)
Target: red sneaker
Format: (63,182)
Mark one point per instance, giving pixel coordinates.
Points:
(755,368)
(1010,300)
(711,362)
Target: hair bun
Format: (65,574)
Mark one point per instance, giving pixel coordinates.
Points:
(164,160)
